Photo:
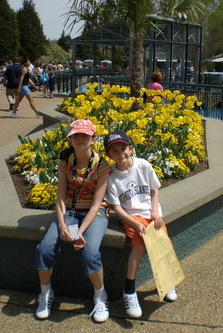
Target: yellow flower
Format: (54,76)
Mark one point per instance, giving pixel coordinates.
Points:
(141,123)
(137,138)
(157,99)
(100,130)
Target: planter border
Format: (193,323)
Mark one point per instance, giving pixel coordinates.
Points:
(177,200)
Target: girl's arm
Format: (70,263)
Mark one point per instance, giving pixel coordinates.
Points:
(32,84)
(60,206)
(154,213)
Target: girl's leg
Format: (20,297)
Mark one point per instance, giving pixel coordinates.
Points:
(47,252)
(32,104)
(91,257)
(45,276)
(97,279)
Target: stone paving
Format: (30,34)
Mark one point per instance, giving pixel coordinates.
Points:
(198,308)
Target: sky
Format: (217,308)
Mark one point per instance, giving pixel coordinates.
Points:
(50,12)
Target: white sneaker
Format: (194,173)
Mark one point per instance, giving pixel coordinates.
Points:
(100,312)
(14,115)
(45,303)
(171,296)
(132,306)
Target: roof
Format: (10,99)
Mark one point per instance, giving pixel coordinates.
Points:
(111,34)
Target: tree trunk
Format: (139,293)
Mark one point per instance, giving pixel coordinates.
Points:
(137,72)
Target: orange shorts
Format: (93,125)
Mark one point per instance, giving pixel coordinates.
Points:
(131,232)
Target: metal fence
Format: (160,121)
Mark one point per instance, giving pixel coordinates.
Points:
(211,96)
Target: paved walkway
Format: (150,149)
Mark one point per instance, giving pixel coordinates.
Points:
(198,308)
(27,124)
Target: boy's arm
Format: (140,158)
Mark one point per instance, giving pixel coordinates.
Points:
(140,228)
(158,221)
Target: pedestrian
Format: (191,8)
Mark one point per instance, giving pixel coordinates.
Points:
(51,84)
(23,89)
(44,78)
(11,80)
(82,181)
(178,71)
(133,193)
(155,84)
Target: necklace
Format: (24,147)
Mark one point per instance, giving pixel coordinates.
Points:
(74,174)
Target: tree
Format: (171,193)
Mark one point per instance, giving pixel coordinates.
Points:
(133,13)
(32,39)
(65,42)
(9,41)
(55,53)
(212,30)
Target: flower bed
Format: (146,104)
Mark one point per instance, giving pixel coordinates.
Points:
(168,133)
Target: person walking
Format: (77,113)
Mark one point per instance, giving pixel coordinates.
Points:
(133,193)
(11,80)
(82,181)
(23,89)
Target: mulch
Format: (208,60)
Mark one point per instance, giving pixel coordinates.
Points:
(23,188)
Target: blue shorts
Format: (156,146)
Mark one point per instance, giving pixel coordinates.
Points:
(25,91)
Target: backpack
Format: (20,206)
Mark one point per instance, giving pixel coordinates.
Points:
(44,77)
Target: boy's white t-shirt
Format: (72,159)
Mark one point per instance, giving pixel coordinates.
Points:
(131,189)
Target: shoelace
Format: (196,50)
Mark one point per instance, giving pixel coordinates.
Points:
(99,305)
(172,291)
(42,301)
(132,301)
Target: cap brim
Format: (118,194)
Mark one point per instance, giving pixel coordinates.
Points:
(116,141)
(87,131)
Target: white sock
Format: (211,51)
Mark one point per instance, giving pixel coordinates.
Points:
(99,292)
(45,288)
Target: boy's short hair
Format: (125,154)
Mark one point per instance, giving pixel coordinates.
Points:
(115,136)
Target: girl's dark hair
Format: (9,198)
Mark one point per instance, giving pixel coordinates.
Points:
(25,60)
(64,155)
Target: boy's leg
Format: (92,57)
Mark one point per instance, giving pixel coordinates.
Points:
(134,260)
(132,306)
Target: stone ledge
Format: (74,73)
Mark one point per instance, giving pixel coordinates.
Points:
(177,200)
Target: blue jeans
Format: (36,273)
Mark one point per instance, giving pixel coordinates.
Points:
(50,246)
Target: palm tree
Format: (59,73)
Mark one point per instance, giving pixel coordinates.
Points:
(134,13)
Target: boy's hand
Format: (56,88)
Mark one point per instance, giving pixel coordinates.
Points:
(158,221)
(141,229)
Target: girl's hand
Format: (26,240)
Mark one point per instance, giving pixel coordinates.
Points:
(79,243)
(64,234)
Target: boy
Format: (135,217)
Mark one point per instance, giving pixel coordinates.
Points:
(133,192)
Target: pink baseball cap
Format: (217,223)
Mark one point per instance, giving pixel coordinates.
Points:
(81,126)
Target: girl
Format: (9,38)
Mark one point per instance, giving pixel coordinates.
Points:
(82,181)
(23,89)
